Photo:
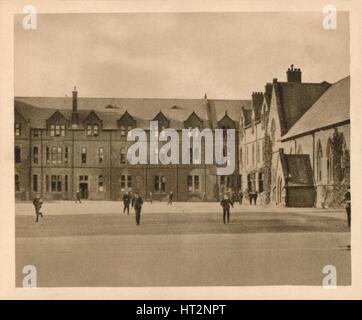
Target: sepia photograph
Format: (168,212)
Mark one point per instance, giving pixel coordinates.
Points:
(182,149)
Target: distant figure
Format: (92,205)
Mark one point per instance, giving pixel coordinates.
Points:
(126,201)
(170,198)
(151,199)
(252,196)
(226,203)
(133,197)
(78,194)
(138,206)
(37,202)
(347,201)
(241,197)
(203,196)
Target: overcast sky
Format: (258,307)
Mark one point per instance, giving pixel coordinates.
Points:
(166,55)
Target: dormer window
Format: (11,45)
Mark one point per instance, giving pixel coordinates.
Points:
(123,131)
(57,130)
(92,130)
(17,129)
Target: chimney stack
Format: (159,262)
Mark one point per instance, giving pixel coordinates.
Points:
(75,115)
(294,74)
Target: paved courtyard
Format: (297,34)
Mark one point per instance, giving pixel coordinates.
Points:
(95,244)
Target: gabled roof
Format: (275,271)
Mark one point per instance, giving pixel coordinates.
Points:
(332,108)
(38,109)
(247,115)
(294,99)
(297,170)
(92,117)
(194,117)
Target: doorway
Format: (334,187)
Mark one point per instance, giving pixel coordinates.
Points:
(83,188)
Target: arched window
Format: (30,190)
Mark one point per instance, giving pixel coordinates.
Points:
(272,131)
(319,161)
(330,162)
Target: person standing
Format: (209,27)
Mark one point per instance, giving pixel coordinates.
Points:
(241,197)
(170,198)
(138,206)
(226,203)
(37,202)
(347,201)
(151,199)
(133,197)
(126,201)
(78,197)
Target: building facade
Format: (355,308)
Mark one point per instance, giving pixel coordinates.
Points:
(64,145)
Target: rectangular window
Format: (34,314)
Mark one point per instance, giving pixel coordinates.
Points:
(123,131)
(126,181)
(17,129)
(59,155)
(47,183)
(62,130)
(52,130)
(66,154)
(36,133)
(84,155)
(123,155)
(100,183)
(53,183)
(35,155)
(57,130)
(193,183)
(100,155)
(54,155)
(35,183)
(17,154)
(96,130)
(17,183)
(66,183)
(59,183)
(89,130)
(47,154)
(160,183)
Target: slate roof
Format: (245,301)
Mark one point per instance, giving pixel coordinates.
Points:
(39,109)
(294,99)
(331,108)
(297,170)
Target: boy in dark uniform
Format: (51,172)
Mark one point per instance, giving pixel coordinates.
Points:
(137,207)
(37,202)
(226,203)
(126,201)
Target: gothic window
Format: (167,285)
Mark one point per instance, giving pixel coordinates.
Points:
(35,155)
(319,161)
(100,155)
(17,129)
(17,154)
(84,155)
(160,183)
(193,183)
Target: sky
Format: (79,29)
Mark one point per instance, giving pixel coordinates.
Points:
(174,55)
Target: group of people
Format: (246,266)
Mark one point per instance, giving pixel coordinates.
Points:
(135,200)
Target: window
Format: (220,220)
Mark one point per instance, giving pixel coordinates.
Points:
(160,183)
(17,154)
(319,161)
(17,129)
(66,154)
(330,163)
(126,181)
(253,154)
(47,154)
(57,130)
(92,130)
(123,155)
(53,183)
(83,155)
(59,155)
(54,154)
(261,182)
(17,183)
(47,183)
(35,183)
(100,183)
(36,133)
(193,183)
(100,155)
(123,131)
(66,183)
(251,182)
(35,155)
